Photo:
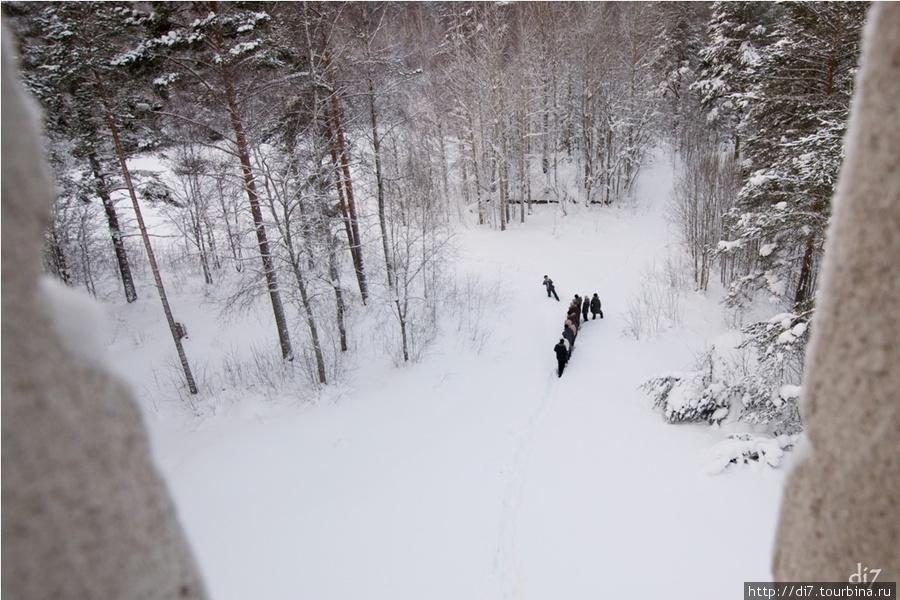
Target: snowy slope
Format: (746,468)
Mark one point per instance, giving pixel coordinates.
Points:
(476,475)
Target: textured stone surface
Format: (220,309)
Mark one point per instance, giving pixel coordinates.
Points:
(85,513)
(841,508)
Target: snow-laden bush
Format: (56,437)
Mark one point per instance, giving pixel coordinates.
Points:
(693,396)
(764,391)
(770,392)
(749,449)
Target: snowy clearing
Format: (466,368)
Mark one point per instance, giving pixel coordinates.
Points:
(474,475)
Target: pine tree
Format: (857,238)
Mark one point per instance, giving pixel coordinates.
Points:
(219,66)
(88,95)
(71,46)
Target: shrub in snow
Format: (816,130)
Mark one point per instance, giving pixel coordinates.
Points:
(764,391)
(470,303)
(770,392)
(406,329)
(695,396)
(748,449)
(657,305)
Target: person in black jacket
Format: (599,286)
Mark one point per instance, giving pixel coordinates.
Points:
(585,307)
(595,307)
(562,356)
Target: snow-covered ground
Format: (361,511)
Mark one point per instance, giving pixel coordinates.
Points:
(474,475)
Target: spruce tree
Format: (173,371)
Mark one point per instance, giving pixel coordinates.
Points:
(737,33)
(798,106)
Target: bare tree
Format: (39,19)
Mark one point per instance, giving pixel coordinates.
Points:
(705,191)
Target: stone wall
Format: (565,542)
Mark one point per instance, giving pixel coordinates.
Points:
(841,509)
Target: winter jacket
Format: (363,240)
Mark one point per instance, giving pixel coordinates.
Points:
(595,304)
(562,353)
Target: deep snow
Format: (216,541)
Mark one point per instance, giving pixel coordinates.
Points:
(470,475)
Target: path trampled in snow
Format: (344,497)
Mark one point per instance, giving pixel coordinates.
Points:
(506,565)
(486,476)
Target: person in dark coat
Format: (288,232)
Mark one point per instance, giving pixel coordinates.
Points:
(574,316)
(548,283)
(569,332)
(595,307)
(585,307)
(562,356)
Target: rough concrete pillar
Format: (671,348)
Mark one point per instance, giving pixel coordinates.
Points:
(841,508)
(85,513)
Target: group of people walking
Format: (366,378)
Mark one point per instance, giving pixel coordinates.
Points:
(577,312)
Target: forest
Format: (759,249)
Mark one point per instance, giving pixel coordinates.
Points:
(319,156)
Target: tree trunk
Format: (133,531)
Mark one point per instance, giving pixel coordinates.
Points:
(379,178)
(523,163)
(322,189)
(58,257)
(335,277)
(237,125)
(502,168)
(236,251)
(445,175)
(174,328)
(115,231)
(474,152)
(197,213)
(211,244)
(356,241)
(463,162)
(804,283)
(284,226)
(401,316)
(200,239)
(339,187)
(310,318)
